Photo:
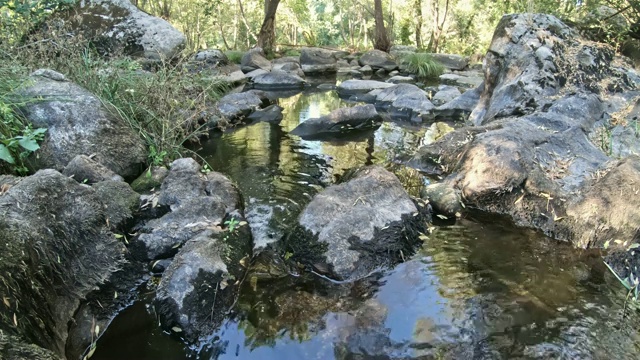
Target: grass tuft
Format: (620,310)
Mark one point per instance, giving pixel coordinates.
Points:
(423,65)
(234,56)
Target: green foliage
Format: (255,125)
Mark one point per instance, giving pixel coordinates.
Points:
(168,107)
(234,56)
(18,139)
(232,224)
(17,17)
(423,65)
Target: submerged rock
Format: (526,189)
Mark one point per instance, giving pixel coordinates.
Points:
(354,228)
(77,123)
(57,248)
(340,122)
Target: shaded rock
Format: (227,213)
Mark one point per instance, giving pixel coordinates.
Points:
(451,61)
(356,74)
(445,94)
(388,95)
(316,60)
(286,59)
(340,122)
(150,179)
(84,170)
(381,72)
(200,285)
(278,80)
(414,106)
(461,107)
(343,64)
(257,72)
(401,80)
(353,87)
(367,70)
(207,60)
(272,114)
(58,248)
(159,266)
(238,105)
(197,202)
(378,60)
(378,221)
(12,347)
(290,67)
(254,59)
(235,78)
(118,25)
(443,198)
(463,80)
(77,123)
(369,97)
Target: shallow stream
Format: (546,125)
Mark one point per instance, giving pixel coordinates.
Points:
(477,288)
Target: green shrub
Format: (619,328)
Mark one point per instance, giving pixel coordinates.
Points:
(18,139)
(423,65)
(234,56)
(291,52)
(168,107)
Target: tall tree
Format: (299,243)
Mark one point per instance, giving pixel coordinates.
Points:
(418,6)
(381,40)
(267,35)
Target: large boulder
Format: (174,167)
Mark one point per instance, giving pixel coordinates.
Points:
(118,25)
(254,59)
(58,246)
(451,61)
(278,80)
(195,202)
(87,171)
(535,153)
(341,121)
(78,123)
(461,107)
(445,94)
(316,60)
(378,59)
(206,221)
(355,87)
(351,229)
(237,106)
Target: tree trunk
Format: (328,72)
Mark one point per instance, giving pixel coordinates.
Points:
(267,35)
(418,6)
(246,23)
(381,41)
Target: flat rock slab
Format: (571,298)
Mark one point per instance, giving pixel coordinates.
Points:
(341,121)
(354,87)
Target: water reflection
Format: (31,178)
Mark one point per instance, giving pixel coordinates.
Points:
(279,173)
(477,289)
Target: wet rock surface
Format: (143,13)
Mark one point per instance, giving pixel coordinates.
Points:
(236,106)
(77,123)
(206,227)
(342,121)
(378,220)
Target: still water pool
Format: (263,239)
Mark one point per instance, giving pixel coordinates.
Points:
(477,288)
